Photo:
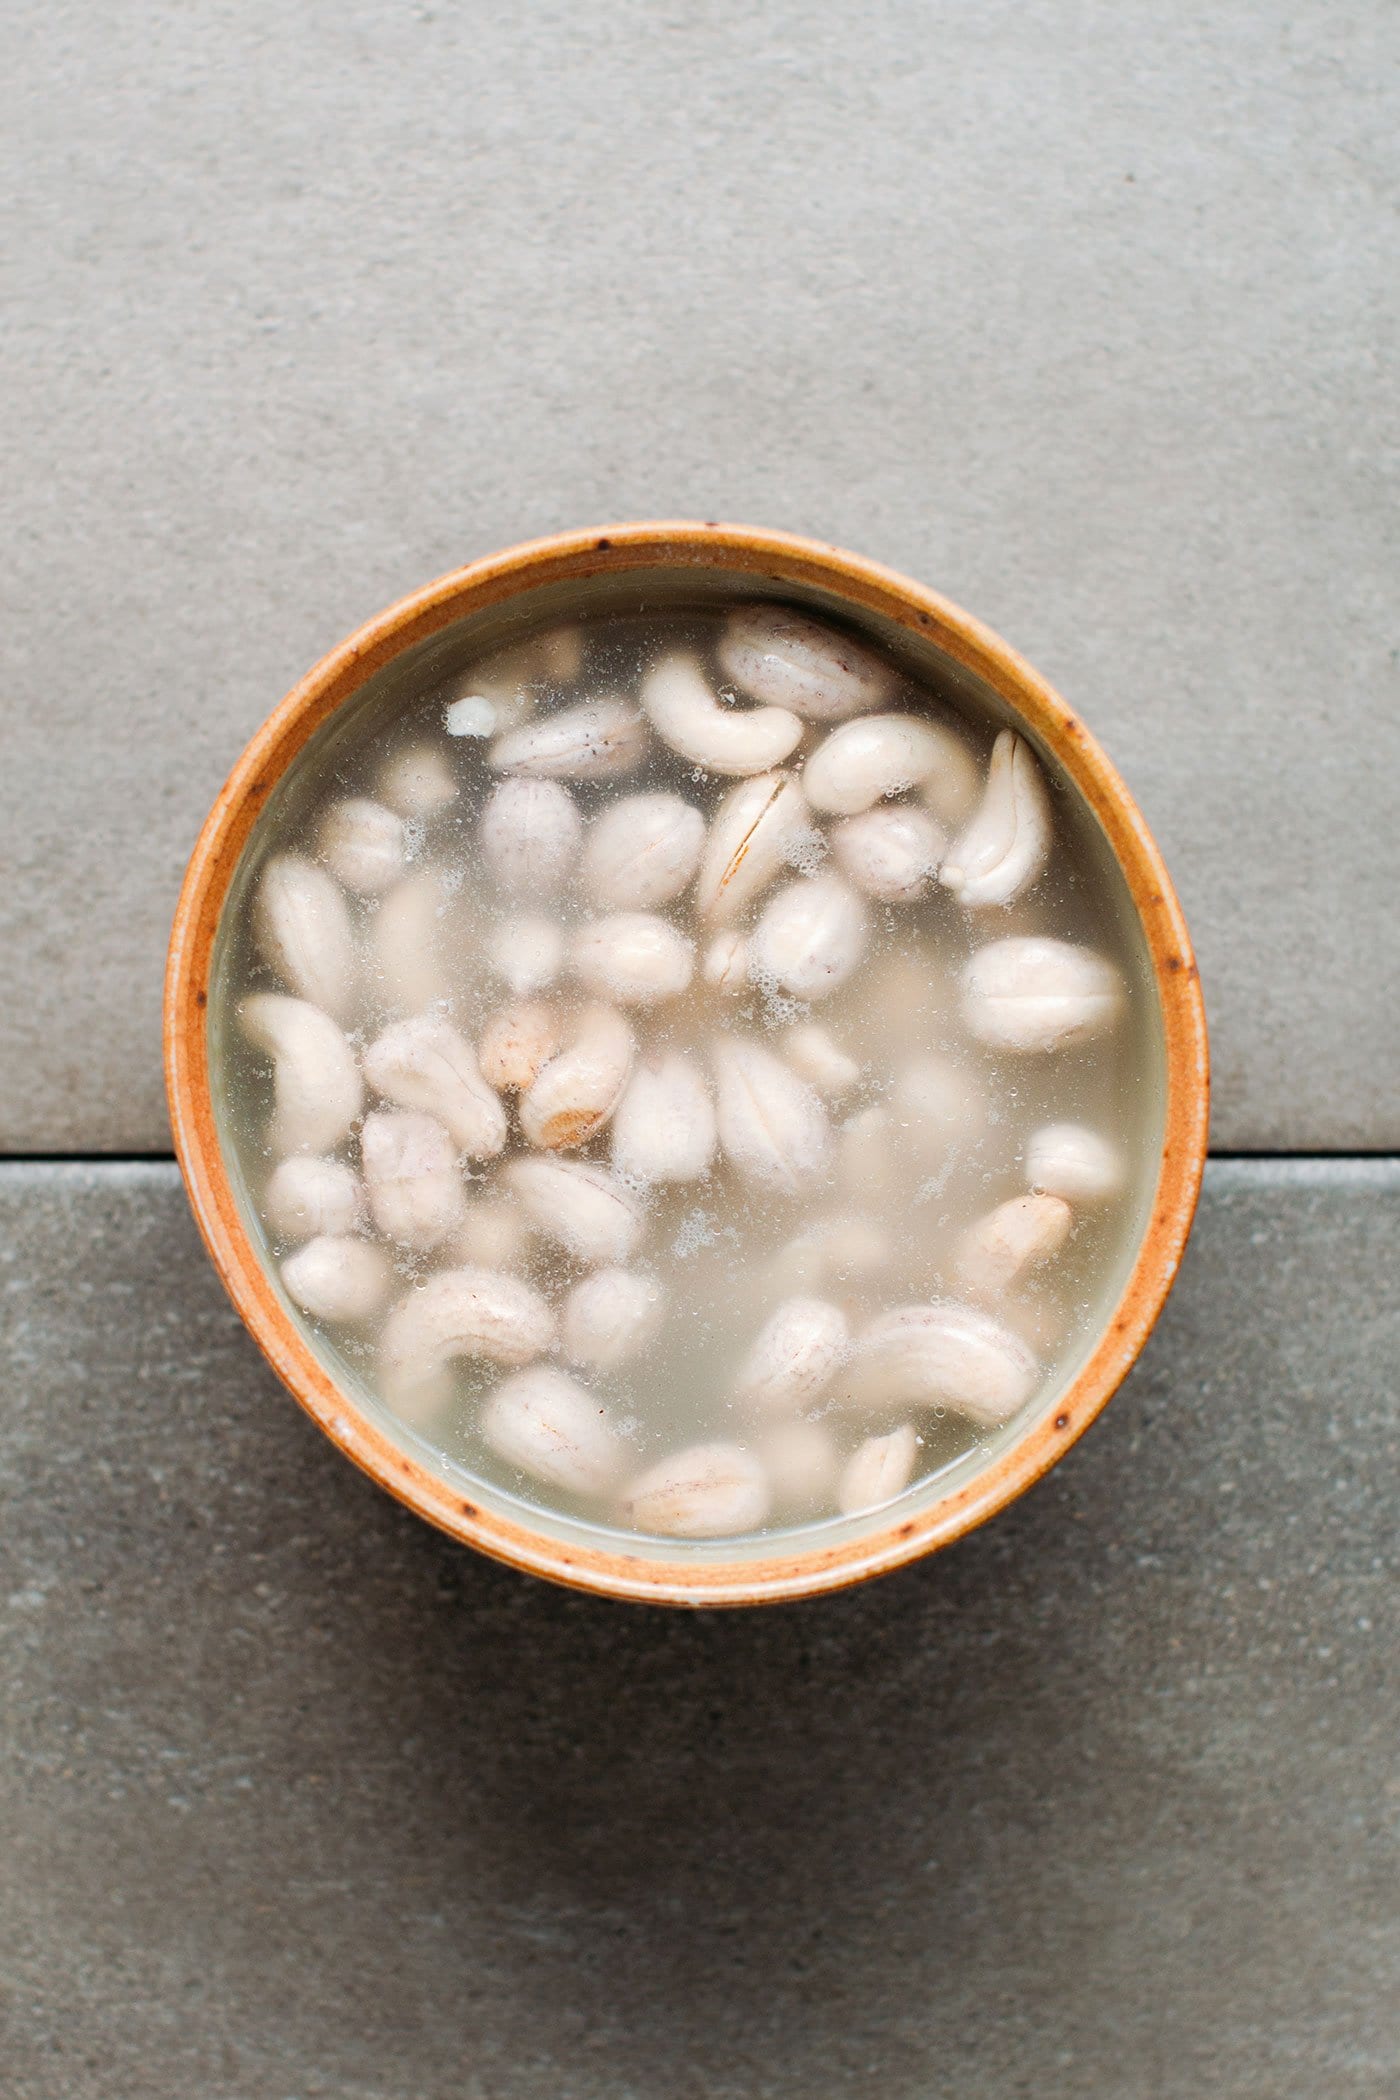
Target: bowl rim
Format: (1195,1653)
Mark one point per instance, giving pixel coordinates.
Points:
(780,559)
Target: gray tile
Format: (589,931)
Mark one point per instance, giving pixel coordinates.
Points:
(1093,328)
(299,1798)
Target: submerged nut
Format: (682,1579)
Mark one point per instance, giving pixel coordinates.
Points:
(530,836)
(306,1197)
(756,828)
(464,1312)
(417,782)
(594,741)
(938,1109)
(642,851)
(610,1317)
(426,1063)
(362,844)
(810,937)
(526,952)
(576,1091)
(301,929)
(775,654)
(865,761)
(494,1234)
(410,1167)
(891,852)
(516,1041)
(1031,993)
(634,957)
(817,1057)
(405,944)
(707,1491)
(1004,849)
(795,1356)
(686,714)
(942,1354)
(834,1253)
(802,1463)
(664,1127)
(587,1210)
(1001,1250)
(878,1470)
(549,1426)
(316,1085)
(772,1126)
(1066,1159)
(340,1280)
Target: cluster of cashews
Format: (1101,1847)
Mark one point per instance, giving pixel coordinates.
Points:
(785,876)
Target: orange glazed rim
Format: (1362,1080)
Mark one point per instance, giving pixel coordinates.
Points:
(778,558)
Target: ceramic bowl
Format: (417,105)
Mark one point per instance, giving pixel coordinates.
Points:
(564,573)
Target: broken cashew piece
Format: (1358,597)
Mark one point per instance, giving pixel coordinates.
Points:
(878,1470)
(999,1251)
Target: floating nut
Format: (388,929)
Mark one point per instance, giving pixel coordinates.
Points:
(780,656)
(756,828)
(1005,847)
(339,1280)
(1065,1159)
(410,1165)
(526,952)
(316,1085)
(587,1210)
(772,1127)
(938,1108)
(473,715)
(891,852)
(457,1313)
(1000,1250)
(664,1128)
(516,1041)
(642,851)
(710,1491)
(301,929)
(865,761)
(818,1058)
(686,714)
(834,1253)
(726,964)
(573,1095)
(530,836)
(549,1426)
(878,1470)
(493,1234)
(426,1063)
(307,1197)
(611,1317)
(795,1357)
(1031,993)
(633,957)
(810,937)
(362,844)
(802,1463)
(405,943)
(591,742)
(417,782)
(941,1355)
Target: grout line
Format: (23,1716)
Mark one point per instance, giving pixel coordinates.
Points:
(167,1159)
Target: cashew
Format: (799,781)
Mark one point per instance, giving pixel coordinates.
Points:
(425,1063)
(611,1317)
(1000,1250)
(546,1424)
(1065,1159)
(772,1127)
(515,677)
(775,654)
(339,1280)
(307,1198)
(633,957)
(864,762)
(362,844)
(952,789)
(526,952)
(937,1107)
(757,825)
(685,713)
(473,715)
(1004,849)
(941,1355)
(575,1092)
(530,836)
(410,1167)
(590,742)
(708,1491)
(834,1252)
(516,1041)
(417,782)
(301,928)
(494,1234)
(816,1057)
(810,937)
(877,1471)
(726,964)
(795,1356)
(664,1128)
(869,1159)
(642,851)
(405,940)
(891,852)
(316,1084)
(470,1313)
(802,1463)
(1034,994)
(587,1210)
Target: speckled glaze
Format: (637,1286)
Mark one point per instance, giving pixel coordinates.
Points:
(893,1536)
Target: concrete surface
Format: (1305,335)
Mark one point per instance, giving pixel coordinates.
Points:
(1087,316)
(300,1799)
